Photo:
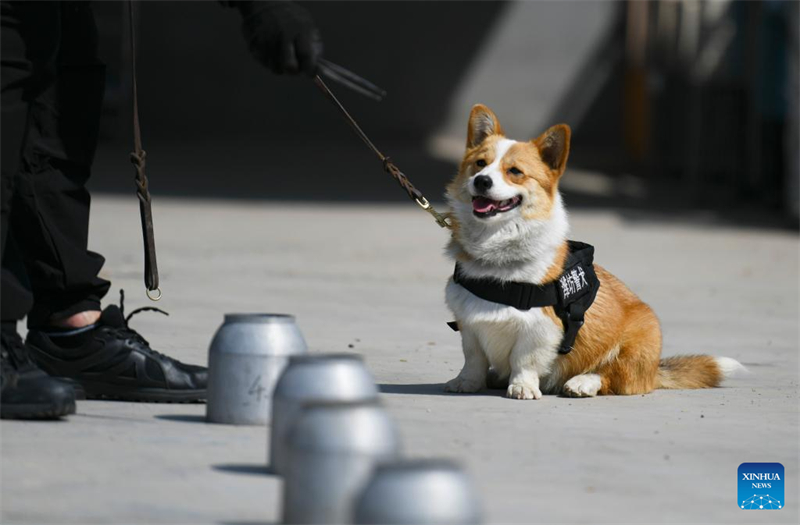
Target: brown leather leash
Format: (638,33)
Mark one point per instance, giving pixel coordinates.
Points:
(389,166)
(138,158)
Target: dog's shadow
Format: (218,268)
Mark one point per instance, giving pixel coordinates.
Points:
(248,469)
(248,522)
(421,389)
(425,389)
(495,384)
(182,418)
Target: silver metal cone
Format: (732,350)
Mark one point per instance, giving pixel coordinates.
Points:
(313,378)
(333,449)
(430,492)
(245,360)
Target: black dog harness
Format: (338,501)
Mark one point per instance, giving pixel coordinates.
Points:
(570,295)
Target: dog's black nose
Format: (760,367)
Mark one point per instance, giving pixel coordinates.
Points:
(482,183)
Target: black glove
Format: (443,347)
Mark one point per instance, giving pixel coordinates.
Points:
(282,36)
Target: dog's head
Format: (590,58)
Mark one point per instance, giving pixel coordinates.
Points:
(501,179)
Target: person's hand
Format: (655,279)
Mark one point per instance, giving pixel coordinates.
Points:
(282,36)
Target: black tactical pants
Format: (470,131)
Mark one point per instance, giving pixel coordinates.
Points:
(52,92)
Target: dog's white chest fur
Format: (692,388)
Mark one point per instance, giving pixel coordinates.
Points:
(515,251)
(501,329)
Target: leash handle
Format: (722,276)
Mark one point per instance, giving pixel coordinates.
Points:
(413,193)
(138,158)
(350,80)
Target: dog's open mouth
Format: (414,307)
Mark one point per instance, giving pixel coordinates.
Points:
(484,207)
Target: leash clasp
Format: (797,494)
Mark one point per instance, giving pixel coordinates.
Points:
(440,219)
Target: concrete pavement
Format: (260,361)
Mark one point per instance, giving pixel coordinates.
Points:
(369,279)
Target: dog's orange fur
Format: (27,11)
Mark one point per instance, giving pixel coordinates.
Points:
(621,338)
(620,341)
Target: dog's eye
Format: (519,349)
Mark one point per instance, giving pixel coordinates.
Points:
(480,163)
(515,171)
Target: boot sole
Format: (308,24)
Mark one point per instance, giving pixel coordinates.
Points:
(37,411)
(144,395)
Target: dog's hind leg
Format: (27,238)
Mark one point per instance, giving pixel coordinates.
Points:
(472,377)
(632,369)
(584,385)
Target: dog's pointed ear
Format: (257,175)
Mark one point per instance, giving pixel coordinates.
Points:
(482,123)
(553,147)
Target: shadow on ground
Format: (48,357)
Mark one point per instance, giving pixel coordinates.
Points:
(422,389)
(182,418)
(247,469)
(248,523)
(430,389)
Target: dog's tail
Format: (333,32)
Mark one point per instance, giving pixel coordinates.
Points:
(696,371)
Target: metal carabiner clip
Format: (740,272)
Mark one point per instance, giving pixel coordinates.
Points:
(440,219)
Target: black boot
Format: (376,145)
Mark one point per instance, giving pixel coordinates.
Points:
(111,360)
(26,392)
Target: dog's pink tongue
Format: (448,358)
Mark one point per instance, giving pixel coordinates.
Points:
(483,205)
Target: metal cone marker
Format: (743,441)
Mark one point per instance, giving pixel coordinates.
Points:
(429,492)
(333,449)
(247,356)
(311,378)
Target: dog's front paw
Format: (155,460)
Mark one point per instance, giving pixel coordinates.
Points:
(463,385)
(521,391)
(584,385)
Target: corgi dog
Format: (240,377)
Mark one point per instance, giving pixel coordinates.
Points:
(509,225)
